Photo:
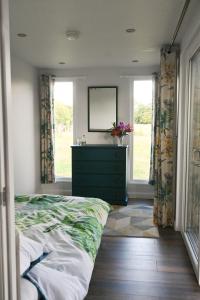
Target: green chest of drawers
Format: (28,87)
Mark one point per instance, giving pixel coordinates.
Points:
(99,171)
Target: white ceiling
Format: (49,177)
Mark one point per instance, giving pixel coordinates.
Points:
(102,23)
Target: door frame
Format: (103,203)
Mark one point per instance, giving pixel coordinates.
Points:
(194,261)
(186,55)
(8,279)
(188,52)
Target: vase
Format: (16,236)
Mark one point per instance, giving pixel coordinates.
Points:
(121,140)
(115,140)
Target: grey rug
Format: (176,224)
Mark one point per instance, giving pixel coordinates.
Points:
(134,220)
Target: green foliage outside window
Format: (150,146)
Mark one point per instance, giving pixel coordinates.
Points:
(63,116)
(143,114)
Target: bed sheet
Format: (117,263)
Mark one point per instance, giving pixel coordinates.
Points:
(70,230)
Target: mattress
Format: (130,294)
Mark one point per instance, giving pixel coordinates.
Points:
(69,229)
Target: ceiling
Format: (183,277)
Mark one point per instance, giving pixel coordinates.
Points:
(102,24)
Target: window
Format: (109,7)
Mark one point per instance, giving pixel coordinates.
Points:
(142,116)
(63,115)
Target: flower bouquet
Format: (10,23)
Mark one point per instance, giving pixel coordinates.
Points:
(120,130)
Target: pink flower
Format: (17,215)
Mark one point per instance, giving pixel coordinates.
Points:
(121,129)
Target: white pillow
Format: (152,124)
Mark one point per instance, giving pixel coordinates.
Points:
(30,251)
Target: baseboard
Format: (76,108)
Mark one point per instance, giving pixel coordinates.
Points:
(140,195)
(53,189)
(56,192)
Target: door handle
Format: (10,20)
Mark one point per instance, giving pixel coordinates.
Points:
(196,149)
(3,196)
(196,164)
(196,154)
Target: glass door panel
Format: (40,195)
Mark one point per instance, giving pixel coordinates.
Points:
(193,208)
(193,170)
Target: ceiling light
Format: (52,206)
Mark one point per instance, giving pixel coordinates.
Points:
(130,30)
(21,34)
(62,63)
(72,35)
(135,61)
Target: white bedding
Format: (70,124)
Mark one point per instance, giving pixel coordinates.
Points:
(28,290)
(65,273)
(69,230)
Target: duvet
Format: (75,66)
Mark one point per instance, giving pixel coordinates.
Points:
(69,230)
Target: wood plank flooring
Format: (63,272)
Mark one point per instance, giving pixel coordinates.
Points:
(143,269)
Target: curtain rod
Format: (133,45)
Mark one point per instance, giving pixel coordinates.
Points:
(184,10)
(135,76)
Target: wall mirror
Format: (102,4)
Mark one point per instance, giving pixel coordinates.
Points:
(102,107)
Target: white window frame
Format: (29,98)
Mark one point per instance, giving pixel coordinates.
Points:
(75,118)
(132,79)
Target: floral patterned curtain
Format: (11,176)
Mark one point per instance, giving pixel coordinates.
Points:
(47,128)
(165,139)
(155,93)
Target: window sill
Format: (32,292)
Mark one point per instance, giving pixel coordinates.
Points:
(144,182)
(63,179)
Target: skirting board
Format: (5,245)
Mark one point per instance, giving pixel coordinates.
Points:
(68,192)
(55,191)
(140,195)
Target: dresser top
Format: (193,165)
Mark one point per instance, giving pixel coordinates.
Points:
(98,146)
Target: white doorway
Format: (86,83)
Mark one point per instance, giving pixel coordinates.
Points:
(191,231)
(8,274)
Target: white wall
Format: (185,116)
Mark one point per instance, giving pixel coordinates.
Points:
(189,39)
(101,77)
(25,127)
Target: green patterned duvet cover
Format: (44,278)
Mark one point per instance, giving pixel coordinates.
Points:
(83,219)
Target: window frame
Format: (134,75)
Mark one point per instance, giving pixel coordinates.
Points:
(69,79)
(132,113)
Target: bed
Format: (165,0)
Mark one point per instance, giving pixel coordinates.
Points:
(59,239)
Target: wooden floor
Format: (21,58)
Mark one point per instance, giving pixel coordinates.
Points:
(143,269)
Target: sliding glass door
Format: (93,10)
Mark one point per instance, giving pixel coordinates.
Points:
(192,224)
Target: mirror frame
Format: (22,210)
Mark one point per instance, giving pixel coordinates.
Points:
(116,100)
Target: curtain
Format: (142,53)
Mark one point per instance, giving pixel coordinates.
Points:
(155,93)
(47,128)
(164,148)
